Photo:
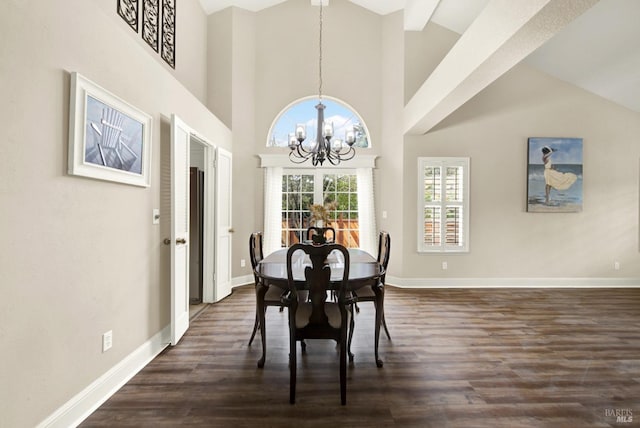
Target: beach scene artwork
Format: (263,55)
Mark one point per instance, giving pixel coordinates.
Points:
(554,174)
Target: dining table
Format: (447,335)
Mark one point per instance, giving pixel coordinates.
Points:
(364,270)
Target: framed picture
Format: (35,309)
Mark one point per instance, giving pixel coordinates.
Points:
(554,175)
(108,138)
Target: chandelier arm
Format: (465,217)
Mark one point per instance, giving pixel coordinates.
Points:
(334,156)
(297,159)
(296,154)
(334,162)
(346,150)
(302,151)
(349,155)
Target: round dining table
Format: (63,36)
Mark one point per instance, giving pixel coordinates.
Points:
(364,270)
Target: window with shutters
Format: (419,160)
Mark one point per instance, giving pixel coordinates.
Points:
(443,204)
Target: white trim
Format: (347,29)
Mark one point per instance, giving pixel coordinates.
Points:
(272,230)
(465,163)
(513,282)
(461,283)
(282,160)
(76,410)
(366,210)
(241,280)
(209,232)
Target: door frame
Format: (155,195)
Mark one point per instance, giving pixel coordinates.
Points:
(209,208)
(208,228)
(210,287)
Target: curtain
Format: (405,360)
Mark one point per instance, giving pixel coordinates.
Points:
(366,211)
(272,239)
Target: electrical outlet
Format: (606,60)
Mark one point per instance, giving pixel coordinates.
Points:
(444,266)
(107,341)
(616,265)
(243,263)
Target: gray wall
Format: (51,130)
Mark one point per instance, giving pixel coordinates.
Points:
(80,257)
(273,61)
(371,63)
(492,129)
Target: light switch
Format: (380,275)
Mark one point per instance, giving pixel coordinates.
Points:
(156,216)
(384,214)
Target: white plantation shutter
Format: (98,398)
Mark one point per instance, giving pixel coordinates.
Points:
(443,204)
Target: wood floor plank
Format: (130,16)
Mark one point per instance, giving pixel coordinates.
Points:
(458,358)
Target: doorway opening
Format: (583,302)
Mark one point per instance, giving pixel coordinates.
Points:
(200,193)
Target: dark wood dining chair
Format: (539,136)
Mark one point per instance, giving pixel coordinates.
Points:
(265,295)
(369,293)
(319,317)
(329,233)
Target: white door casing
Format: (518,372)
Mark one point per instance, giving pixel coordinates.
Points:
(180,137)
(224,226)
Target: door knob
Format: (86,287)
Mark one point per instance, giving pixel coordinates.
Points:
(167,241)
(231,230)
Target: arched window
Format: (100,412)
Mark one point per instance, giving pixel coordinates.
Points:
(303,111)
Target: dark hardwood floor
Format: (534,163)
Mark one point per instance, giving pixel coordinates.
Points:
(458,358)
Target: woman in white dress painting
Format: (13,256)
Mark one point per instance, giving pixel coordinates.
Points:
(552,178)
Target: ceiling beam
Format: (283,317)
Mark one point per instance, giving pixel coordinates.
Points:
(417,13)
(504,34)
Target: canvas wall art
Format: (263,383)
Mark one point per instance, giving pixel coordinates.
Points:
(554,175)
(108,138)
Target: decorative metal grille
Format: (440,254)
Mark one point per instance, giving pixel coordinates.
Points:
(151,22)
(128,10)
(168,52)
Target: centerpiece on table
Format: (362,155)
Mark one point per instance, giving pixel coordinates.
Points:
(321,218)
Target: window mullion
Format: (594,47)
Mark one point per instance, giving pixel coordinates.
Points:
(318,184)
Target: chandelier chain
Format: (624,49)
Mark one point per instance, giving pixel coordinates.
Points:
(320,57)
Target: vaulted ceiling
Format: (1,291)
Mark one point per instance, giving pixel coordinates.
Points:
(593,44)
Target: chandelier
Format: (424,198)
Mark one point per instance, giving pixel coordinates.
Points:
(323,148)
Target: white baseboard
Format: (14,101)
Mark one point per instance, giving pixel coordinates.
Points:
(76,410)
(494,282)
(513,282)
(241,280)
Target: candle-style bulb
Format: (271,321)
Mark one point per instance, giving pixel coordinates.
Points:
(301,132)
(328,129)
(350,136)
(293,142)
